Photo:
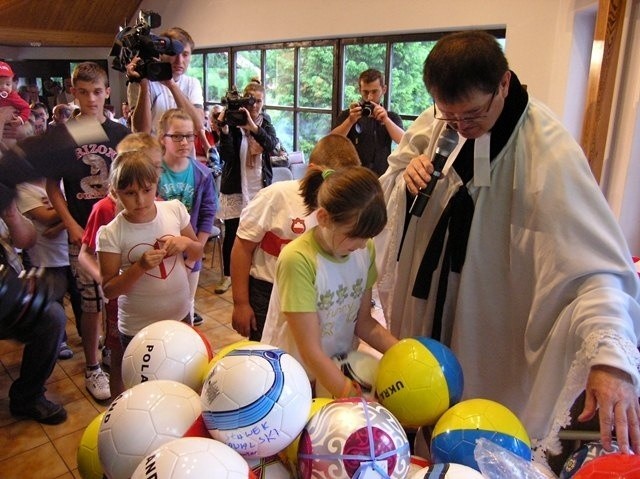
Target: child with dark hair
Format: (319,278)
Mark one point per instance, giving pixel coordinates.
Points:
(102,213)
(145,252)
(84,178)
(321,298)
(274,217)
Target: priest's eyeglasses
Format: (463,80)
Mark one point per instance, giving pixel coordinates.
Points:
(469,118)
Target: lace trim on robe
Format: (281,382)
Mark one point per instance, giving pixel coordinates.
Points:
(575,384)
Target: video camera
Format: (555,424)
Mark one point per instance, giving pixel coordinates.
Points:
(233,102)
(139,41)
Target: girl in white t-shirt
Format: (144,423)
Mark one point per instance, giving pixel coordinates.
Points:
(321,298)
(145,252)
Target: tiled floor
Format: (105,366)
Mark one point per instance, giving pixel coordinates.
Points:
(31,450)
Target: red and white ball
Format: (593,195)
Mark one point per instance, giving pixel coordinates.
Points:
(192,458)
(140,420)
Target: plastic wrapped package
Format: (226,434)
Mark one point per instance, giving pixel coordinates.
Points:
(496,462)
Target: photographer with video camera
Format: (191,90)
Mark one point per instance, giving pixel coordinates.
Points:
(247,139)
(156,67)
(27,315)
(369,126)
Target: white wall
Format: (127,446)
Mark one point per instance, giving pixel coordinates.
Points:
(548,45)
(540,35)
(532,46)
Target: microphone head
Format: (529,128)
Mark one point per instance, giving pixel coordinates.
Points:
(447,142)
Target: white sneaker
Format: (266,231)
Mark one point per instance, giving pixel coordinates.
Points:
(97,383)
(223,285)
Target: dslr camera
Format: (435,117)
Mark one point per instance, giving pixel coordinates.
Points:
(139,41)
(367,108)
(232,101)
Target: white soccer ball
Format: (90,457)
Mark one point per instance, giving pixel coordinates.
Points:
(140,420)
(193,458)
(256,399)
(166,350)
(358,366)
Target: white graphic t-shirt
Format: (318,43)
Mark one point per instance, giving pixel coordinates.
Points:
(310,280)
(162,292)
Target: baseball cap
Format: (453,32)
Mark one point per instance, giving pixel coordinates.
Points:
(5,70)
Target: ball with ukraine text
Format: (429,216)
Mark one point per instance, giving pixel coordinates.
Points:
(455,434)
(256,399)
(418,380)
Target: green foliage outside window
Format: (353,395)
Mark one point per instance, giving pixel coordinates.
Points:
(217,76)
(303,92)
(358,58)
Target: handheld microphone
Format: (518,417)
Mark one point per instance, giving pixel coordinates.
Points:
(446,143)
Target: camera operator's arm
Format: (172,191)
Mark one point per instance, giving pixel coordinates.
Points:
(196,113)
(381,115)
(141,116)
(355,113)
(21,229)
(264,134)
(141,121)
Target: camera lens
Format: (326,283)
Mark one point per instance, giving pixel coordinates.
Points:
(367,108)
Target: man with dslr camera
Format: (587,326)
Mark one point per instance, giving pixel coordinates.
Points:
(369,126)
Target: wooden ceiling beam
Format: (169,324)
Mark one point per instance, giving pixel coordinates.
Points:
(54,38)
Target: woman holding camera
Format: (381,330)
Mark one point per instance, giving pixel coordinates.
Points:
(247,139)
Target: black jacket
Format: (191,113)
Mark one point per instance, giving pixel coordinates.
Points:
(229,150)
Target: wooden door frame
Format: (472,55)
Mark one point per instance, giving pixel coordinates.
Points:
(602,81)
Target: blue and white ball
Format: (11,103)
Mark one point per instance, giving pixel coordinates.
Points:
(256,400)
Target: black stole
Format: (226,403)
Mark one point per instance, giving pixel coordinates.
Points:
(457,216)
